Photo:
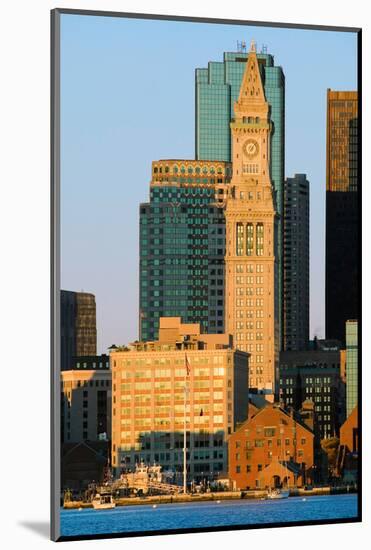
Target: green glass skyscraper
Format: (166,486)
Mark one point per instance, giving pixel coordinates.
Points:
(217,88)
(182,245)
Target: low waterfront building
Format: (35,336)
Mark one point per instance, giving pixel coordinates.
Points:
(347,460)
(349,432)
(150,403)
(351,337)
(314,375)
(270,449)
(86,400)
(83,463)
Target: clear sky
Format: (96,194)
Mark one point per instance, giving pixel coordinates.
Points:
(127,98)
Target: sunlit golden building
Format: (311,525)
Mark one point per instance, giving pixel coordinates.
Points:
(149,401)
(251,297)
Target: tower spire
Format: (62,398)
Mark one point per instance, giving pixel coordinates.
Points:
(252,91)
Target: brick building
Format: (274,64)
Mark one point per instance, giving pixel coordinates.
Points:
(270,449)
(347,459)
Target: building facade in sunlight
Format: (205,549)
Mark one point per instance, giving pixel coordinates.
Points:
(251,230)
(150,402)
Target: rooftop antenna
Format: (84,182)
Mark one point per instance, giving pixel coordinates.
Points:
(264,48)
(241,46)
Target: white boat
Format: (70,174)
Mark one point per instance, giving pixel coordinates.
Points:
(278,493)
(103,501)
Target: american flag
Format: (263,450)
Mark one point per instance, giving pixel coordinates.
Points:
(188,365)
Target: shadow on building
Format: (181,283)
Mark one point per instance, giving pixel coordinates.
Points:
(206,456)
(85,423)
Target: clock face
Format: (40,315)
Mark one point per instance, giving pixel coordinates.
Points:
(251,148)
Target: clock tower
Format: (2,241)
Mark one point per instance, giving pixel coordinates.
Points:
(251,267)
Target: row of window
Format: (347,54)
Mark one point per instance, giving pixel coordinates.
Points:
(249,268)
(191,170)
(245,239)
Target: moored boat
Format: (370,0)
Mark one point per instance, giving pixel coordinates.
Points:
(278,493)
(103,501)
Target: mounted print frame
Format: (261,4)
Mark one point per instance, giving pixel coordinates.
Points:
(206,297)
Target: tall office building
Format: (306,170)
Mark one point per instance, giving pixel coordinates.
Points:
(217,89)
(341,212)
(296,263)
(78,326)
(351,339)
(250,262)
(182,245)
(314,375)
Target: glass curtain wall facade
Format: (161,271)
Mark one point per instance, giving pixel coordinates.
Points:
(182,246)
(217,88)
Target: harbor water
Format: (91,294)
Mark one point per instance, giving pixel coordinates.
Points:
(143,518)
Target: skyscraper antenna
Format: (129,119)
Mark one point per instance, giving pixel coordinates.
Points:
(241,46)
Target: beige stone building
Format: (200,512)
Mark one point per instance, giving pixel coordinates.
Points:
(251,268)
(150,402)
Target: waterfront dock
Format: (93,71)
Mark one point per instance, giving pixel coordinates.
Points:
(206,497)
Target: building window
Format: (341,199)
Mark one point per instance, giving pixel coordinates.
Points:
(249,239)
(240,239)
(238,469)
(260,467)
(259,239)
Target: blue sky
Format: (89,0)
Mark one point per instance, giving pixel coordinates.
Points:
(127,85)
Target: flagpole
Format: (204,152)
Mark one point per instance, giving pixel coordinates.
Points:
(185,429)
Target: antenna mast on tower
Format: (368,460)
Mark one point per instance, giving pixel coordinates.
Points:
(241,46)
